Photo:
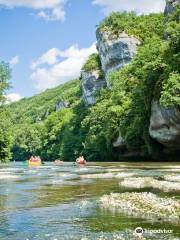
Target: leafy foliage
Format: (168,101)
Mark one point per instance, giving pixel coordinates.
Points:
(5,137)
(5,74)
(27,141)
(53,135)
(170,95)
(143,27)
(31,110)
(170,87)
(126,107)
(153,73)
(93,63)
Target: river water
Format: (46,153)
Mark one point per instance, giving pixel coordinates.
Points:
(62,202)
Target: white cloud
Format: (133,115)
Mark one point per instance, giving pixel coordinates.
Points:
(13,97)
(50,10)
(59,72)
(36,4)
(14,61)
(57,13)
(140,6)
(50,57)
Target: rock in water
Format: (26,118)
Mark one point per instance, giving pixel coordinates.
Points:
(173,178)
(165,125)
(91,83)
(145,205)
(115,52)
(149,182)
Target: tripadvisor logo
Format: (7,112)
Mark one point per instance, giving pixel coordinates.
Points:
(138,231)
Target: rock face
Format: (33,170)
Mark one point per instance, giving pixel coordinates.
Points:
(165,126)
(91,83)
(119,143)
(38,119)
(61,104)
(115,52)
(170,6)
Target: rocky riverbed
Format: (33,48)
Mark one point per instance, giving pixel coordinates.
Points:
(101,201)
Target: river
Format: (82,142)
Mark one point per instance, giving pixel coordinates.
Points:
(63,202)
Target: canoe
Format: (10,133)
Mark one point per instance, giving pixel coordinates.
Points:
(81,161)
(34,163)
(58,162)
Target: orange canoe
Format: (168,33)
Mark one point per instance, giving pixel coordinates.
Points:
(34,163)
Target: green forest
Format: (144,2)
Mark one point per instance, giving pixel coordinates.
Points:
(57,124)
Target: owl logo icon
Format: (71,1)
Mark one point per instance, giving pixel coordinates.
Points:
(138,231)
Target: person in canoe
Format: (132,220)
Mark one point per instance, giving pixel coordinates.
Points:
(81,160)
(58,162)
(34,161)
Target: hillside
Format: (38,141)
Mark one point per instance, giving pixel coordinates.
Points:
(126,103)
(38,107)
(43,123)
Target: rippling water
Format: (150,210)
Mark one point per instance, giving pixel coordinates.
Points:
(62,202)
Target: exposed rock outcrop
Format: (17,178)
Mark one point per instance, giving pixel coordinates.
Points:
(146,205)
(61,104)
(38,119)
(165,125)
(170,6)
(46,114)
(119,143)
(91,82)
(115,52)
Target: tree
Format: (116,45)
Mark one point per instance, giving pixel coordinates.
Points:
(27,142)
(5,137)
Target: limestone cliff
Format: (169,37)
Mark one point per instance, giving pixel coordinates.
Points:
(61,104)
(165,125)
(170,6)
(115,52)
(92,81)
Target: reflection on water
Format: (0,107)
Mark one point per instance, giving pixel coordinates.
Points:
(62,202)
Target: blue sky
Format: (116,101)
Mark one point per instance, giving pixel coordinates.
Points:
(47,41)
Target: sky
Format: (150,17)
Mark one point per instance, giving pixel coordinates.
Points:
(46,42)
